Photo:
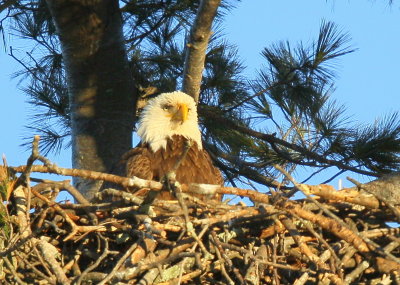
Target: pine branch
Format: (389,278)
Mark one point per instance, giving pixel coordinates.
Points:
(273,140)
(6,4)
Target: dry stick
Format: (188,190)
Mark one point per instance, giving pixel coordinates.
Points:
(43,263)
(36,271)
(25,176)
(221,254)
(253,195)
(202,232)
(149,276)
(342,230)
(377,247)
(122,195)
(356,272)
(243,214)
(328,192)
(145,249)
(392,245)
(22,210)
(322,240)
(142,183)
(189,224)
(334,278)
(261,260)
(80,198)
(15,243)
(97,263)
(14,273)
(60,211)
(108,206)
(94,175)
(183,278)
(253,271)
(167,260)
(41,218)
(65,185)
(330,225)
(74,192)
(222,264)
(311,199)
(29,164)
(274,254)
(395,211)
(348,254)
(396,277)
(302,245)
(73,262)
(47,251)
(304,278)
(150,262)
(74,227)
(118,264)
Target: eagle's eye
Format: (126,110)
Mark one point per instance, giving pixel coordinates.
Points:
(167,107)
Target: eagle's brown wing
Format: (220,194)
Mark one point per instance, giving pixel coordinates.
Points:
(137,163)
(214,171)
(199,168)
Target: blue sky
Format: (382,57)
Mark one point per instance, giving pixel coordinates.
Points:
(367,79)
(367,83)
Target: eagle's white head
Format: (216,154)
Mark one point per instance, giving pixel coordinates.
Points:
(166,115)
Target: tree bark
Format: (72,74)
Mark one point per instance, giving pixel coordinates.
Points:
(197,46)
(101,91)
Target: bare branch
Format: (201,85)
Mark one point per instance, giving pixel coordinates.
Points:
(197,46)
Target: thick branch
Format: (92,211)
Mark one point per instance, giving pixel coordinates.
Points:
(197,46)
(204,189)
(330,225)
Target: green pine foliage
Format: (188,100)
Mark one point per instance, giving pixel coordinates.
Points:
(283,115)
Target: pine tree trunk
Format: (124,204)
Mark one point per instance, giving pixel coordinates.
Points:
(101,90)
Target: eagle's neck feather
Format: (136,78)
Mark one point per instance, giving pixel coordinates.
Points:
(156,145)
(156,133)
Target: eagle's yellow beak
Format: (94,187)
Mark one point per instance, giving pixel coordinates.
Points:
(181,114)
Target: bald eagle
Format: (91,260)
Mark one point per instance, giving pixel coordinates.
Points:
(167,122)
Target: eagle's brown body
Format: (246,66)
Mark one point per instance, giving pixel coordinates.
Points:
(196,167)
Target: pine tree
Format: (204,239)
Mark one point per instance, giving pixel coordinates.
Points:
(282,116)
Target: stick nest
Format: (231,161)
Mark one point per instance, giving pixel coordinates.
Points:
(329,237)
